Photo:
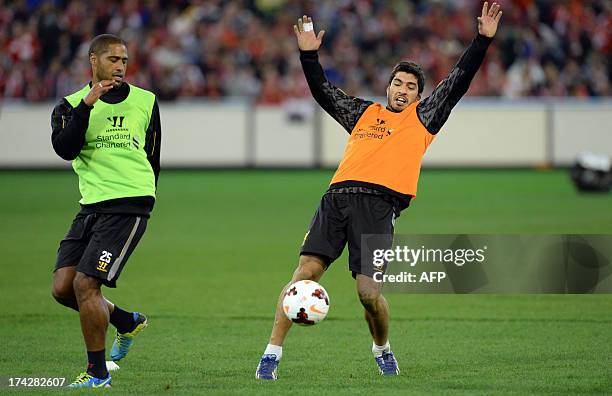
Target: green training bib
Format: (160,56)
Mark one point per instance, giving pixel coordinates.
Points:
(113,162)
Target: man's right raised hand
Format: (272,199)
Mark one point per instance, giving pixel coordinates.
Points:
(98,89)
(304,31)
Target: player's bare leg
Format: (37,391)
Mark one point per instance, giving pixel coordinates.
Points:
(93,311)
(309,268)
(128,324)
(377,317)
(63,290)
(376,308)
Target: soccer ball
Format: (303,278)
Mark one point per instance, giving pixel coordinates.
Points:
(306,303)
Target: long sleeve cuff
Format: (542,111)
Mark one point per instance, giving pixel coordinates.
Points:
(309,54)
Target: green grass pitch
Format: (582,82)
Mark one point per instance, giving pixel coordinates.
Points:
(220,245)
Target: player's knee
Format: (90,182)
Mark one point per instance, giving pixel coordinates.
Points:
(60,292)
(85,286)
(368,297)
(304,273)
(309,268)
(61,289)
(62,284)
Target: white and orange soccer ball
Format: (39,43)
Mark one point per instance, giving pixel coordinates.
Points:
(306,303)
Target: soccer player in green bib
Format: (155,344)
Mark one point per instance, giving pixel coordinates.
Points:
(111,132)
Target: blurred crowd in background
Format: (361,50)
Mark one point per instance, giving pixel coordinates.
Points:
(226,48)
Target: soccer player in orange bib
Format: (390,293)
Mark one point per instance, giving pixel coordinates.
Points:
(377,176)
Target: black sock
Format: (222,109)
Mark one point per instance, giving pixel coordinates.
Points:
(122,320)
(97,364)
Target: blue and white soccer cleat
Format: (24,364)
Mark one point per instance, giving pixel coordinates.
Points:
(85,380)
(266,369)
(387,364)
(123,342)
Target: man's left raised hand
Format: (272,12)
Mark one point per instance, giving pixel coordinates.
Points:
(488,21)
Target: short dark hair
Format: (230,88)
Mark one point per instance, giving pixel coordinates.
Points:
(100,43)
(412,68)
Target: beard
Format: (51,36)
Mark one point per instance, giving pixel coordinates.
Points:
(117,81)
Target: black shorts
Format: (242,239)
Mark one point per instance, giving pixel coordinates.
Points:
(344,217)
(99,244)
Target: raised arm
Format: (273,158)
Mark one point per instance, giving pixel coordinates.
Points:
(343,108)
(434,110)
(68,127)
(69,124)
